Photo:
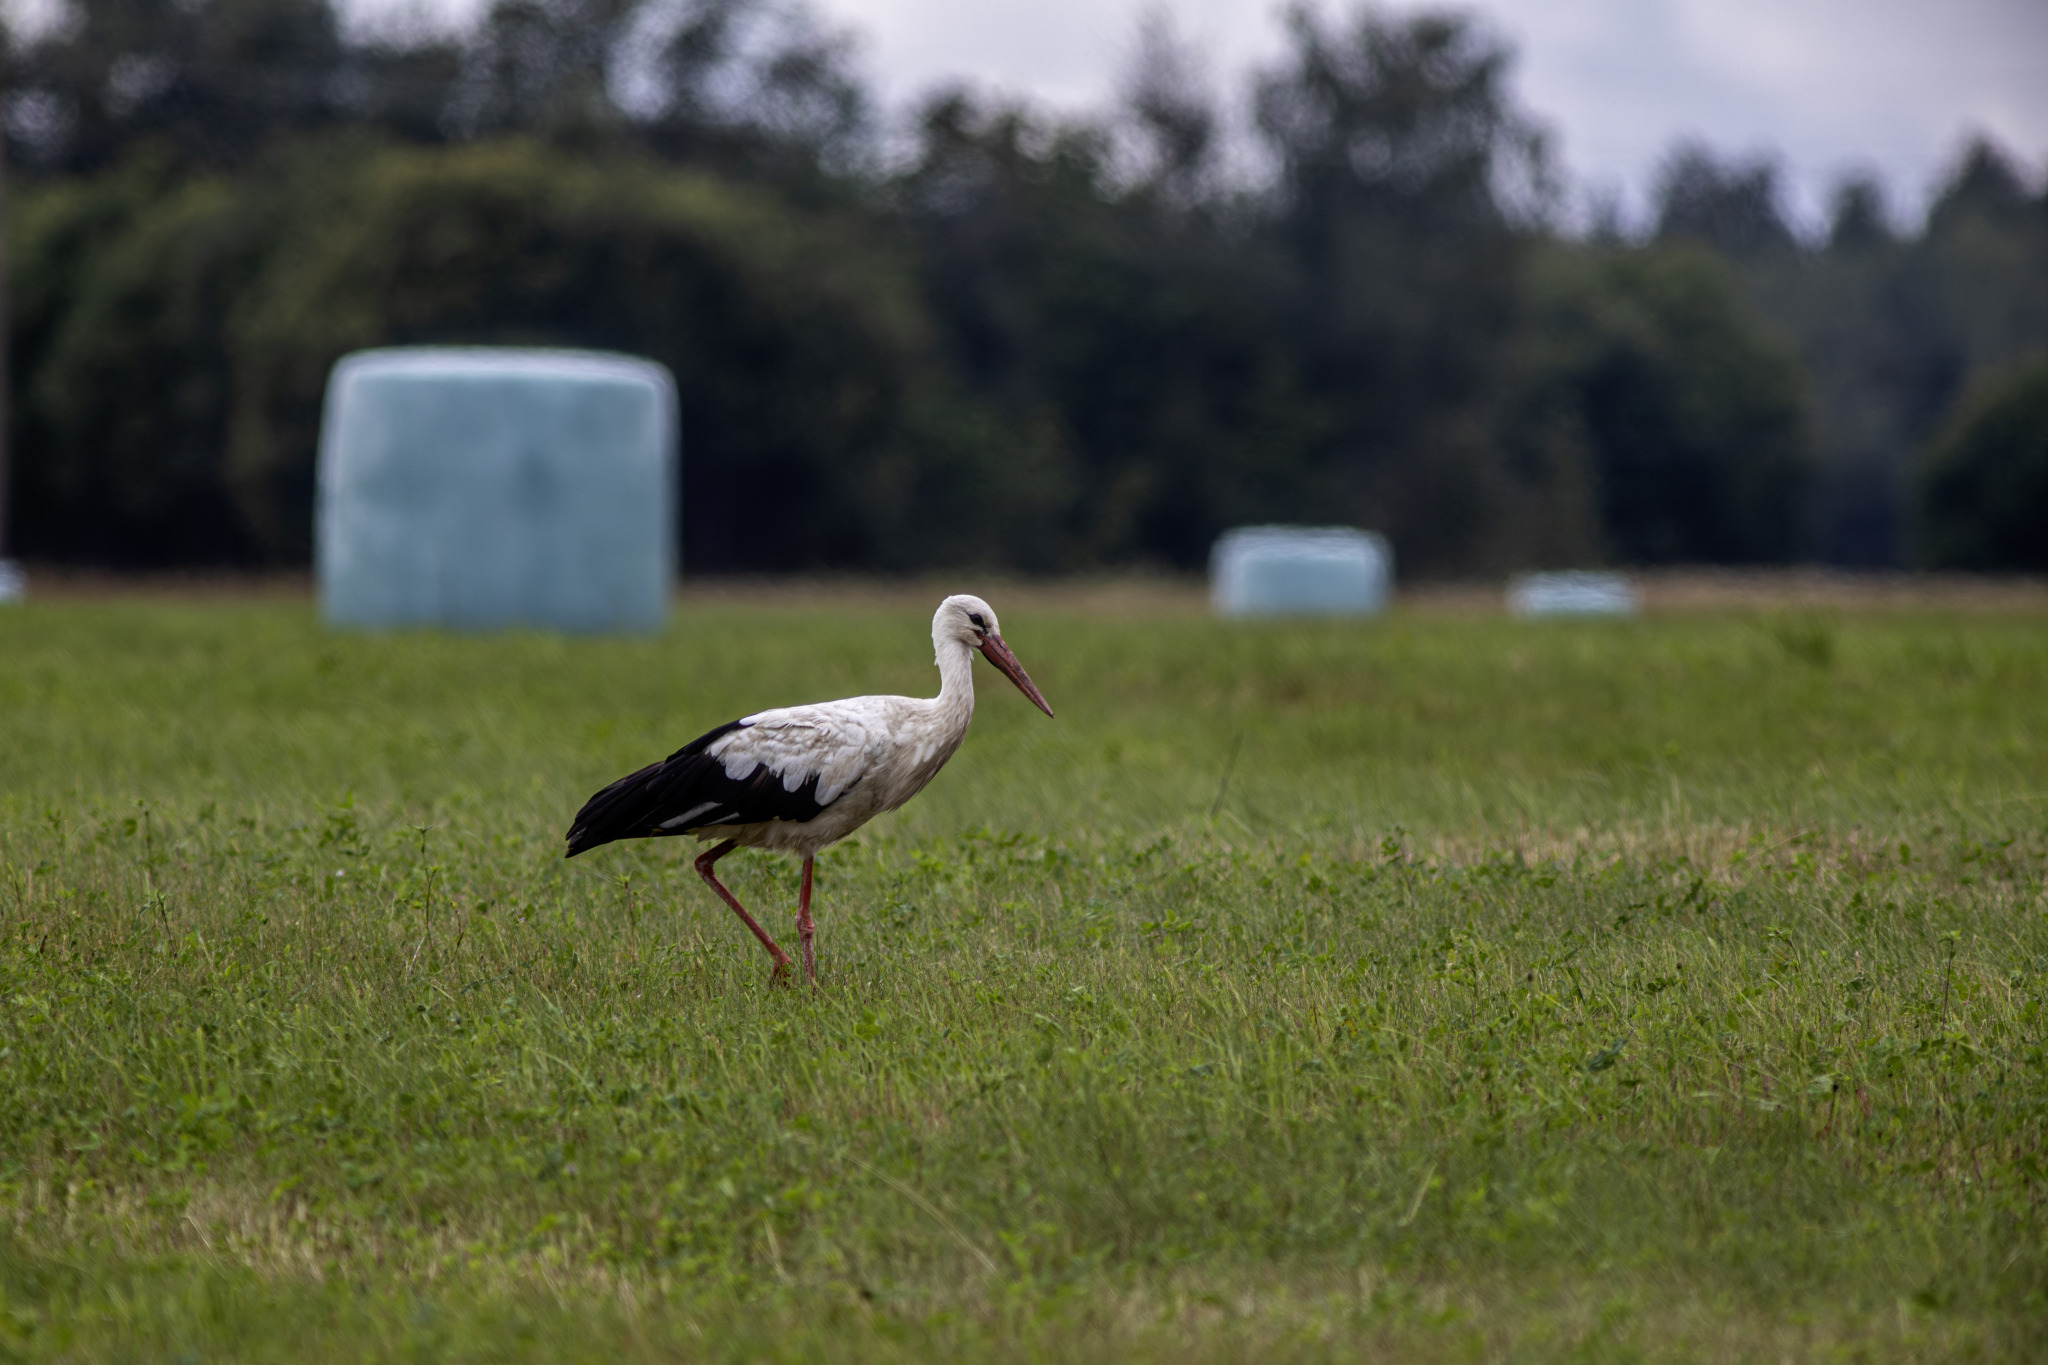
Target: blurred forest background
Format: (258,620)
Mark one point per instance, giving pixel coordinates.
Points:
(1002,337)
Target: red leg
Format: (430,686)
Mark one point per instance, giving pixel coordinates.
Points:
(704,862)
(803,924)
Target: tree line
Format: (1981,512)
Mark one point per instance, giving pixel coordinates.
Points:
(1010,338)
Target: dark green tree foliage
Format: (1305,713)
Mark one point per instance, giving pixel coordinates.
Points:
(1683,413)
(212,79)
(542,66)
(1731,208)
(1394,140)
(1128,342)
(801,376)
(1842,308)
(1172,115)
(797,339)
(1891,327)
(1859,221)
(1984,487)
(1029,342)
(750,89)
(119,286)
(757,91)
(1976,282)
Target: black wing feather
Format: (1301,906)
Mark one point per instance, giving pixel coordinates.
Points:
(638,804)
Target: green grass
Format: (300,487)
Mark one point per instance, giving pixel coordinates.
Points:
(1436,988)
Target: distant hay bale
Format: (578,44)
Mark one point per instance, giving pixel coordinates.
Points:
(486,488)
(1576,592)
(1300,571)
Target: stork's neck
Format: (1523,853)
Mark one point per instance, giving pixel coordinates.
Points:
(955,701)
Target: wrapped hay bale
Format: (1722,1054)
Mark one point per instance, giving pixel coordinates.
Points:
(1300,571)
(1577,592)
(482,488)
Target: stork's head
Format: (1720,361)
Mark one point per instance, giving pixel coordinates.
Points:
(971,621)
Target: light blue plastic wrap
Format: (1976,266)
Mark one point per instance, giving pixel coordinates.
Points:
(1300,571)
(482,488)
(1572,592)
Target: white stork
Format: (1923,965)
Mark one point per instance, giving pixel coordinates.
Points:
(801,777)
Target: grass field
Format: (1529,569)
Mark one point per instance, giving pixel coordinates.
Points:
(1440,988)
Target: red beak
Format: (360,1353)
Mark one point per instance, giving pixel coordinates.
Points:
(996,652)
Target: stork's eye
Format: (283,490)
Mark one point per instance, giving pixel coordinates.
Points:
(975,617)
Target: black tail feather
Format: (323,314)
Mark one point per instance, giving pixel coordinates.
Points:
(693,783)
